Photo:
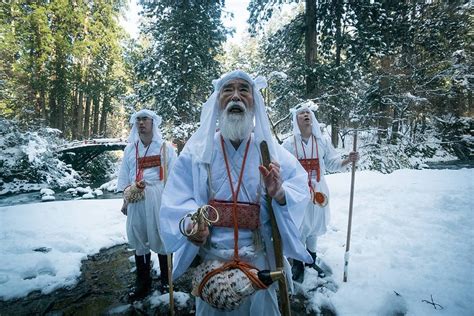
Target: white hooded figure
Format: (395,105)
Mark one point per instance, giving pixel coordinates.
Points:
(317,155)
(145,165)
(220,165)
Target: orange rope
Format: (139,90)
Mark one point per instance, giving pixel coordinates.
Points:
(235,263)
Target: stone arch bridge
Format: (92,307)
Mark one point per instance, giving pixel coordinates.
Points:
(79,153)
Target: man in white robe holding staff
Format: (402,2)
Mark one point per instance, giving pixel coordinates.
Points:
(316,154)
(146,161)
(214,203)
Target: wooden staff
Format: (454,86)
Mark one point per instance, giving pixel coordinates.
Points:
(169,257)
(351,202)
(277,244)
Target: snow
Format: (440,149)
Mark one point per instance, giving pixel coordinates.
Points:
(180,299)
(62,233)
(412,234)
(110,186)
(46,191)
(46,198)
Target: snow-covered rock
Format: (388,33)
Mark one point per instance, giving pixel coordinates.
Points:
(88,196)
(110,186)
(46,198)
(72,191)
(82,190)
(46,191)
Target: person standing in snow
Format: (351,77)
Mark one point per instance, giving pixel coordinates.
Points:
(223,169)
(146,160)
(316,154)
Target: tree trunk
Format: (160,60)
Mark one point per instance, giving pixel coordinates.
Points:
(338,9)
(80,114)
(53,122)
(384,109)
(42,104)
(87,115)
(103,116)
(395,126)
(96,104)
(310,47)
(75,105)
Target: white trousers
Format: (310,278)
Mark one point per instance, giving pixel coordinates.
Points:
(143,231)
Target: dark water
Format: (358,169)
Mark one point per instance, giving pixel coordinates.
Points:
(35,197)
(453,164)
(102,289)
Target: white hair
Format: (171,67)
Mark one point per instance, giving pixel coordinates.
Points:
(201,143)
(236,126)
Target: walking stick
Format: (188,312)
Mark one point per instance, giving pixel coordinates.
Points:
(351,201)
(277,244)
(169,257)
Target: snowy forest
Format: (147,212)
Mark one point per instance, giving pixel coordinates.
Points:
(400,73)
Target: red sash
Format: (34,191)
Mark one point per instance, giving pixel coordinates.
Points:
(146,162)
(149,162)
(248,214)
(311,165)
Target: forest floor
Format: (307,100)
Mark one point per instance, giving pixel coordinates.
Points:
(102,290)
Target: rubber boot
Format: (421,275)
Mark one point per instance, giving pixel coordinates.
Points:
(315,266)
(164,286)
(298,271)
(143,281)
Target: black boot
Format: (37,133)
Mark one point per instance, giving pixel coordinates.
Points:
(164,286)
(298,271)
(143,281)
(321,271)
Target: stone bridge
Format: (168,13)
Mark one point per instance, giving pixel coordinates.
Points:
(80,153)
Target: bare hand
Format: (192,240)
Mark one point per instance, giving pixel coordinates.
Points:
(273,182)
(353,157)
(200,237)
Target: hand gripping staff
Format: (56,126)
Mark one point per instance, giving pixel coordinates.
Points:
(351,202)
(277,244)
(169,257)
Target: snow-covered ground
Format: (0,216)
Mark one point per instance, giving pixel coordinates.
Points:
(412,234)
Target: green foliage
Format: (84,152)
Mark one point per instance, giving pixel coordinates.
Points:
(383,65)
(55,55)
(180,63)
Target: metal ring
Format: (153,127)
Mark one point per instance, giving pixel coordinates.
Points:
(206,214)
(182,226)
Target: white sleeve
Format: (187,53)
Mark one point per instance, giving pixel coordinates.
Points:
(332,159)
(123,179)
(289,145)
(289,217)
(171,156)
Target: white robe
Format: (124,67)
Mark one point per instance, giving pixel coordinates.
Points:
(316,217)
(188,189)
(143,230)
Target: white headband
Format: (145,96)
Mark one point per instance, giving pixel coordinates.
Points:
(134,137)
(201,142)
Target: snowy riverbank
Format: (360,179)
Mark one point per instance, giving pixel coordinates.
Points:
(412,234)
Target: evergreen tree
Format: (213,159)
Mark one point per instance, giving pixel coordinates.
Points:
(180,62)
(58,55)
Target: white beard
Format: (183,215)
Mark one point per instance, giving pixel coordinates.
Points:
(236,126)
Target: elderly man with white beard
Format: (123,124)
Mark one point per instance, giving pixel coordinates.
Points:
(221,172)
